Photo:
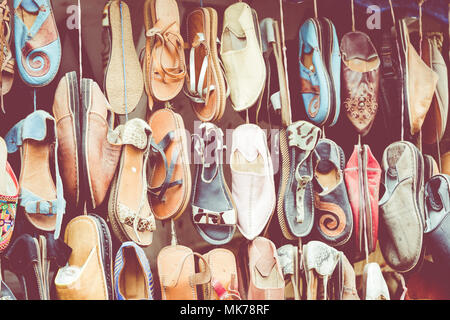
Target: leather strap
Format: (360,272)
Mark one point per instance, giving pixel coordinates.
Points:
(195,279)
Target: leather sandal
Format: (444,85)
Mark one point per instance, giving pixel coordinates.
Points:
(128,208)
(205,84)
(7,61)
(9,195)
(42,201)
(169,177)
(177,276)
(289,261)
(224,278)
(37,42)
(124,81)
(213,211)
(166,67)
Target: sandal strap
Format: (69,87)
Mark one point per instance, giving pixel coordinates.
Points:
(195,279)
(159,148)
(208,217)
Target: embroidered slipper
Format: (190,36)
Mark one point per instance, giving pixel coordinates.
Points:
(167,67)
(206,86)
(128,208)
(37,42)
(42,200)
(224,280)
(177,276)
(169,184)
(124,81)
(213,211)
(9,195)
(6,58)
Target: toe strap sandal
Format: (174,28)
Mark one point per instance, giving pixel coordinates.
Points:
(42,201)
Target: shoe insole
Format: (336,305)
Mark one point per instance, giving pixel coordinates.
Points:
(81,236)
(130,185)
(27,17)
(36,177)
(132,283)
(328,179)
(241,164)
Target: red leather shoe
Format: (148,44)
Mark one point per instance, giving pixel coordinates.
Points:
(362,178)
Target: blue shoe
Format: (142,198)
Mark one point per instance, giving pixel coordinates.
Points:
(38,47)
(133,279)
(320,69)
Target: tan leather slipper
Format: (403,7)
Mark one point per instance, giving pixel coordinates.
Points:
(124,81)
(176,269)
(167,68)
(169,181)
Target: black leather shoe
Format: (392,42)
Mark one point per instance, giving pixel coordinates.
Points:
(213,211)
(437,209)
(334,218)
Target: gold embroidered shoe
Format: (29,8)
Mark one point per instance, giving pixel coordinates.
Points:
(360,68)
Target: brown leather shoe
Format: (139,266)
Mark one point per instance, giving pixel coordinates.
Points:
(66,114)
(360,68)
(100,156)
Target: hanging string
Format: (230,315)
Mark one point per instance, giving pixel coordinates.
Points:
(420,53)
(201,3)
(34,99)
(392,12)
(174,240)
(315,9)
(80,56)
(124,65)
(323,133)
(353,17)
(283,42)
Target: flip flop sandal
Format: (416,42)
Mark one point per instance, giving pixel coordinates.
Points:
(176,269)
(124,81)
(224,278)
(213,210)
(128,209)
(37,42)
(88,273)
(42,201)
(205,84)
(6,59)
(166,65)
(9,195)
(169,184)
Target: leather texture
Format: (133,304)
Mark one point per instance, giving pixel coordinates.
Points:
(437,231)
(362,176)
(213,212)
(133,279)
(38,47)
(253,186)
(374,285)
(361,75)
(66,114)
(241,55)
(266,281)
(299,195)
(402,206)
(334,219)
(101,153)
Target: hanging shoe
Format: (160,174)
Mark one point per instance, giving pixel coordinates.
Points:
(128,207)
(165,62)
(213,211)
(360,68)
(124,81)
(9,195)
(100,154)
(133,279)
(334,218)
(7,61)
(41,198)
(37,42)
(374,286)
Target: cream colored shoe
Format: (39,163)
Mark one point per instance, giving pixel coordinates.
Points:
(242,55)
